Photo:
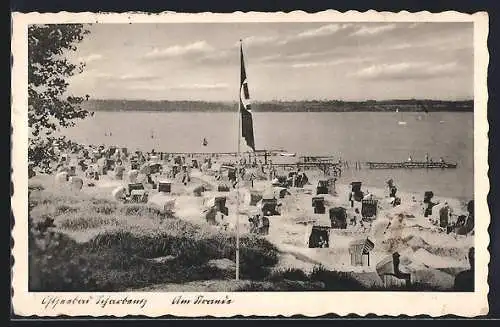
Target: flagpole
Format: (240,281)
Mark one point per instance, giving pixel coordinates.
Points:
(237,183)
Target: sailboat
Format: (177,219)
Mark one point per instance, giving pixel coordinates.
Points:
(401,122)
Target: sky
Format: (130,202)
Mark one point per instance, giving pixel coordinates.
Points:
(284,61)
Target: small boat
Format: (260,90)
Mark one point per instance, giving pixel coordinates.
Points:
(205,143)
(286,154)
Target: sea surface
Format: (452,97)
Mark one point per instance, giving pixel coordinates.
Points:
(356,136)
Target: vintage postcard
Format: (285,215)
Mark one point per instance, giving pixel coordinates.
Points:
(250,164)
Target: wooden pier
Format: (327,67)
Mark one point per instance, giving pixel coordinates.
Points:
(411,165)
(323,163)
(266,154)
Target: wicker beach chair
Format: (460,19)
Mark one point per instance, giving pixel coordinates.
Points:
(319,237)
(338,217)
(369,209)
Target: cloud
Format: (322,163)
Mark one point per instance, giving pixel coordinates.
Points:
(323,30)
(99,75)
(330,62)
(146,87)
(258,40)
(308,64)
(270,58)
(304,55)
(408,70)
(196,48)
(401,46)
(215,86)
(373,30)
(90,58)
(124,77)
(138,77)
(222,56)
(435,42)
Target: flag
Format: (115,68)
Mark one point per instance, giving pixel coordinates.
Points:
(245,109)
(368,246)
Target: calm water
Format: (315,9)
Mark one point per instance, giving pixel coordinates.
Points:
(353,136)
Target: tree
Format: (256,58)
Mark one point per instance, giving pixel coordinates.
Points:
(49,108)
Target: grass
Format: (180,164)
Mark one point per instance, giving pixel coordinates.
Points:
(115,261)
(126,238)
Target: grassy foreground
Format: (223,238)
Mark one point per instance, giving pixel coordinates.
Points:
(82,243)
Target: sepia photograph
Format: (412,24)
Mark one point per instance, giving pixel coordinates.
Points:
(246,156)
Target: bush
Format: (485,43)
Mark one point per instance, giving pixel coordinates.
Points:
(35,186)
(53,265)
(102,206)
(257,287)
(80,223)
(134,209)
(335,280)
(289,274)
(414,287)
(120,259)
(64,208)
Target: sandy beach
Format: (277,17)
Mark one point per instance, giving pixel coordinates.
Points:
(427,252)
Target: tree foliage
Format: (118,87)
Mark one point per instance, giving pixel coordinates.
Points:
(49,107)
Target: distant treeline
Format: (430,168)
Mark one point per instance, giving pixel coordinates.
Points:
(283,106)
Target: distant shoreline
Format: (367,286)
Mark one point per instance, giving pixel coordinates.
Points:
(411,105)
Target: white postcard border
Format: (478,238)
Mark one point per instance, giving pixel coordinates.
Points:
(27,303)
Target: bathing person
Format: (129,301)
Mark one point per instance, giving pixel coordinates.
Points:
(444,215)
(264,224)
(119,169)
(354,219)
